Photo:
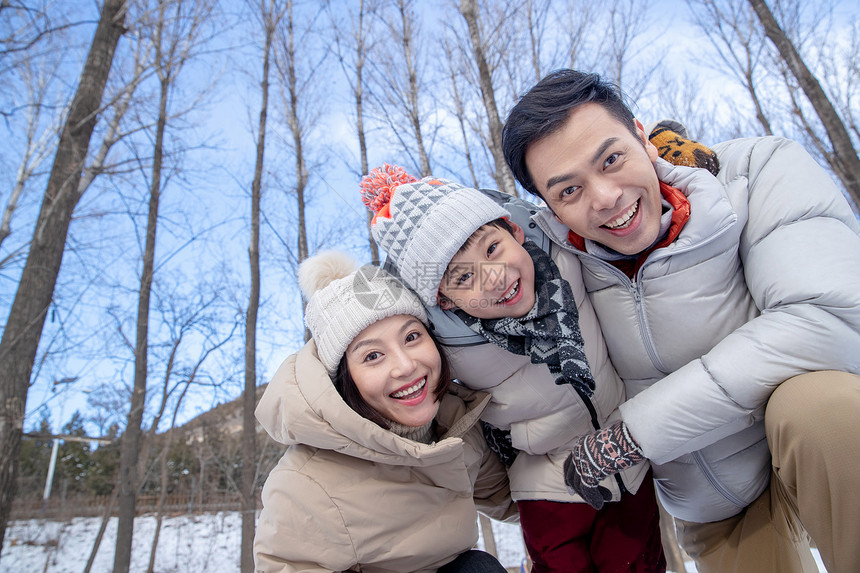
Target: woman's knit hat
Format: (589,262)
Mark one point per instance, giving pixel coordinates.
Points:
(343,300)
(422,224)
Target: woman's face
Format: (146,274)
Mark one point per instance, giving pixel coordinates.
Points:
(396,368)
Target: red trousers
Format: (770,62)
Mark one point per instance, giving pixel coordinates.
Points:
(622,537)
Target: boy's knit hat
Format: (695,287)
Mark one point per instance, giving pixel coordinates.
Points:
(422,224)
(343,300)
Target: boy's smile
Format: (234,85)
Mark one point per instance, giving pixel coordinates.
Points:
(493,277)
(599,180)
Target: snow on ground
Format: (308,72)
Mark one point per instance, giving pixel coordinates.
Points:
(199,543)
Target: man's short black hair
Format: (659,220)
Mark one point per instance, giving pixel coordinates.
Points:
(545,108)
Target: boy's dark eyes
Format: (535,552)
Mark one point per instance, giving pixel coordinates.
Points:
(492,248)
(464,277)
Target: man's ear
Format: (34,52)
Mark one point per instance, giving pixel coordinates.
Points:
(650,148)
(519,234)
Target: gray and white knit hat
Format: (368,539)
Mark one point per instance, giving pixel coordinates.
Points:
(422,224)
(343,300)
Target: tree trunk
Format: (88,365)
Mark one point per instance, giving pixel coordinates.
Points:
(105,518)
(759,109)
(296,130)
(414,116)
(359,119)
(249,396)
(130,446)
(460,112)
(504,178)
(159,506)
(23,328)
(840,139)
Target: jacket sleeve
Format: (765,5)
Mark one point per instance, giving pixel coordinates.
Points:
(300,528)
(800,251)
(492,490)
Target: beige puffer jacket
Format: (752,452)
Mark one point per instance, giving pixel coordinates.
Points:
(349,495)
(544,418)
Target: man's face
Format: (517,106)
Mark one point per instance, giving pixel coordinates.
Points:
(599,179)
(494,277)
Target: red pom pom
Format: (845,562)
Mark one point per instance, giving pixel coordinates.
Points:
(378,186)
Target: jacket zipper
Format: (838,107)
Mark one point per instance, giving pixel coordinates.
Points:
(633,286)
(709,475)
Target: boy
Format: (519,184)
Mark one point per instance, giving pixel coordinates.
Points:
(457,246)
(723,301)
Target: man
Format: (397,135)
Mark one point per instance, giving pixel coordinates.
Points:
(730,305)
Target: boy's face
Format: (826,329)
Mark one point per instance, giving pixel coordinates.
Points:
(494,277)
(599,179)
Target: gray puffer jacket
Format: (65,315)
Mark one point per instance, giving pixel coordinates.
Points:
(762,284)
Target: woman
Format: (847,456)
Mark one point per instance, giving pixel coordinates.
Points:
(386,467)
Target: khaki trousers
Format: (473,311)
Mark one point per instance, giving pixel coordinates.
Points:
(813,430)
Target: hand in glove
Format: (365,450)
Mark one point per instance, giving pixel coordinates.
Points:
(596,456)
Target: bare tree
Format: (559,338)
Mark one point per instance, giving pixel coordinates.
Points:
(627,24)
(212,343)
(38,143)
(175,36)
(537,20)
(845,161)
(397,82)
(25,26)
(840,65)
(351,47)
(459,106)
(23,329)
(503,177)
(270,13)
(739,44)
(294,107)
(577,19)
(680,99)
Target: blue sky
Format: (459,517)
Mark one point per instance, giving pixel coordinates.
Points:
(204,238)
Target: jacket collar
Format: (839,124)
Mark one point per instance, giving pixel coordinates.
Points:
(302,406)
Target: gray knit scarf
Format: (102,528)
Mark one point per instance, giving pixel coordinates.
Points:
(549,333)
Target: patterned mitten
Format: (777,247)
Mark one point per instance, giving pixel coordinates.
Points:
(670,139)
(596,456)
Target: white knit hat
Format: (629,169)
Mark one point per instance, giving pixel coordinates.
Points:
(422,224)
(344,300)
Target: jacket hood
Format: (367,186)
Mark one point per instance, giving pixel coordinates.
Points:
(302,406)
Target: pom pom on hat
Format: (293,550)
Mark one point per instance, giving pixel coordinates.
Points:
(423,224)
(378,186)
(319,271)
